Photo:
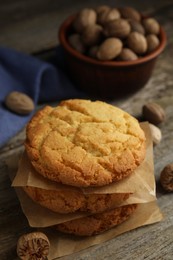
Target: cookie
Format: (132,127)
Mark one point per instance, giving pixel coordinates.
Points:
(97,223)
(84,143)
(69,201)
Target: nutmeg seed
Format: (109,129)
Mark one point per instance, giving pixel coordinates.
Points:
(102,8)
(137,42)
(151,26)
(136,27)
(84,18)
(109,49)
(33,245)
(166,177)
(117,28)
(153,113)
(127,55)
(92,34)
(152,42)
(108,15)
(19,103)
(130,13)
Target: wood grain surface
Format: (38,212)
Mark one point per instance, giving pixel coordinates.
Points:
(31,26)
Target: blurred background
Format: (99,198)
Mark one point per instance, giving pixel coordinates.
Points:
(32,26)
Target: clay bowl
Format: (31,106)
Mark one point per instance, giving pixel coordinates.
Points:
(107,79)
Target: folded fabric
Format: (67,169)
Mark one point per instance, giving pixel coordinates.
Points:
(40,80)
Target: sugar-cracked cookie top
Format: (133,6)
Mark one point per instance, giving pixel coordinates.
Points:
(84,143)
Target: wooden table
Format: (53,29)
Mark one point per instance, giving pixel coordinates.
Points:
(31,26)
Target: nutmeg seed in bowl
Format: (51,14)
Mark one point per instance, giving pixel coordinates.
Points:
(110,77)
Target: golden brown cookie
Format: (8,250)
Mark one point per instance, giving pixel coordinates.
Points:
(97,223)
(84,143)
(68,201)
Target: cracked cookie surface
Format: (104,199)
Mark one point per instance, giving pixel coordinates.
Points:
(84,143)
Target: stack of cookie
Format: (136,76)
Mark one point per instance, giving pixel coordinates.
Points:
(83,144)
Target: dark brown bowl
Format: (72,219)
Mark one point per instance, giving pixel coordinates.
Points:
(107,79)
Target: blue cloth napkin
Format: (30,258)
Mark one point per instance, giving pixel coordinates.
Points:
(42,81)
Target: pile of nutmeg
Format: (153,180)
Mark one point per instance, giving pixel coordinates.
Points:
(107,33)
